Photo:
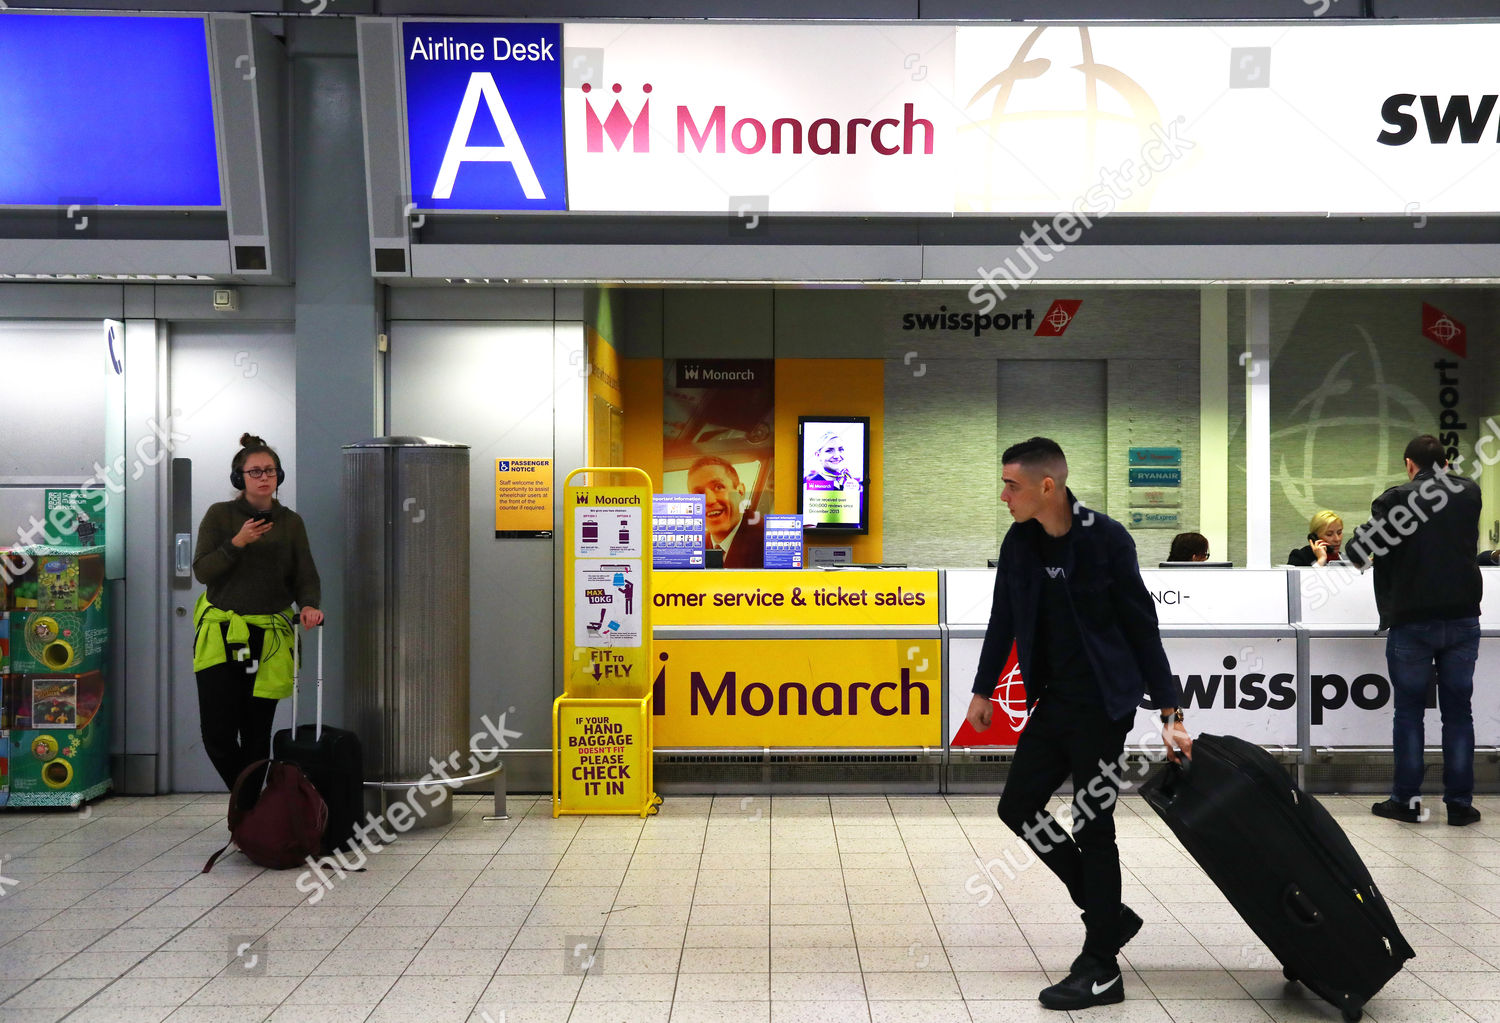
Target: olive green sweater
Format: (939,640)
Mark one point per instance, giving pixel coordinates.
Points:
(264,577)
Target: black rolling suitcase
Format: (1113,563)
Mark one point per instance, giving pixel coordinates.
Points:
(332,760)
(1286,867)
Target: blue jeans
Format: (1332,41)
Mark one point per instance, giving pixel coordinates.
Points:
(1414,654)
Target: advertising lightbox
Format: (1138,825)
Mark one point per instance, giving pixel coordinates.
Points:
(484,115)
(107,110)
(1073,121)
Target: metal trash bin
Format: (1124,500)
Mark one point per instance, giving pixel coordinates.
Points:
(406,601)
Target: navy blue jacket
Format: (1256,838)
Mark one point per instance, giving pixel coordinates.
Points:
(1116,615)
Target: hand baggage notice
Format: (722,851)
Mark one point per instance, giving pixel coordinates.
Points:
(601,727)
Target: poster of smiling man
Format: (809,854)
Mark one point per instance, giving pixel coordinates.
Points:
(718,440)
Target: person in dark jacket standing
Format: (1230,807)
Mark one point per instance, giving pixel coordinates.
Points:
(1421,539)
(1069,593)
(254,557)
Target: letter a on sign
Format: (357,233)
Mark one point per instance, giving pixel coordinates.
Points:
(482,86)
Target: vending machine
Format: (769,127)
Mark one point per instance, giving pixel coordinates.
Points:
(4,717)
(54,714)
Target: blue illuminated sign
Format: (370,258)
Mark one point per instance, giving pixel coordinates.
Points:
(106,111)
(1156,477)
(484,116)
(1156,456)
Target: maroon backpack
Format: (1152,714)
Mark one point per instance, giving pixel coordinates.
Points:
(278,826)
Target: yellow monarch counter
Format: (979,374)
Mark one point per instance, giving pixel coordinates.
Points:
(840,659)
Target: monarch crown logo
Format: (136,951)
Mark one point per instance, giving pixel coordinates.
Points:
(617,124)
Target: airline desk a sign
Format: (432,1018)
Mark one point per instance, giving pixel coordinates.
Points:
(484,115)
(608,591)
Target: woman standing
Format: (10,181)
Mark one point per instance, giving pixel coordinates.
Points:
(254,558)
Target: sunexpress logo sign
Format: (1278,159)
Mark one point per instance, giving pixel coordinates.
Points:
(484,115)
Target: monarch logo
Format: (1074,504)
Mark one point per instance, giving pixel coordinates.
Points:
(1058,316)
(730,695)
(888,136)
(618,125)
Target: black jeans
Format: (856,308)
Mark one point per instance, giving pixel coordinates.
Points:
(236,723)
(1063,740)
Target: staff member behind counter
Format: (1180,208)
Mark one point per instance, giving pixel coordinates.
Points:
(741,537)
(1325,532)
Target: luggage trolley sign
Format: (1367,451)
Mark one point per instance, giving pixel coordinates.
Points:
(608,580)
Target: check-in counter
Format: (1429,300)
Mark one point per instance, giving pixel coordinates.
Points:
(1348,680)
(1226,632)
(847,668)
(798,661)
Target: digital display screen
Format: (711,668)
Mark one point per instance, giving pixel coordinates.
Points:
(100,110)
(834,471)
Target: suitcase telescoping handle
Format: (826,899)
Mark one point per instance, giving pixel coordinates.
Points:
(296,673)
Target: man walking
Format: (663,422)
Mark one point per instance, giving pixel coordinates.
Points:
(1068,592)
(1421,539)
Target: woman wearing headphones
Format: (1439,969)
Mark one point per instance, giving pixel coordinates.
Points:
(254,558)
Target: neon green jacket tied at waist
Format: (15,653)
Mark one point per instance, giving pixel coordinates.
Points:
(273,679)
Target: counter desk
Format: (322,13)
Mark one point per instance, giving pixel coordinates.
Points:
(1226,632)
(1348,683)
(798,660)
(848,664)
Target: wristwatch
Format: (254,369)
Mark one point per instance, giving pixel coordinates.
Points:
(1176,716)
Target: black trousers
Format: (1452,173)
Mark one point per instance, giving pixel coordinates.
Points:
(1065,740)
(236,723)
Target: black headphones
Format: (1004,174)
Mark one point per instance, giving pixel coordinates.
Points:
(237,476)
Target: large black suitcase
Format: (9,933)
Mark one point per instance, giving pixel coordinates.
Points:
(333,761)
(1286,867)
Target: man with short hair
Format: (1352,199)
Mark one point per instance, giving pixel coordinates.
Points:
(1069,593)
(740,537)
(1421,538)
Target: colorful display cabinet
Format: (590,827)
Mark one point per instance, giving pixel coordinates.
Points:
(54,697)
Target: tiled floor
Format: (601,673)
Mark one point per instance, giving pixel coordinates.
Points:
(768,909)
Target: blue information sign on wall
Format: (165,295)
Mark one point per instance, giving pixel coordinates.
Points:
(1156,456)
(484,117)
(784,538)
(1156,477)
(106,111)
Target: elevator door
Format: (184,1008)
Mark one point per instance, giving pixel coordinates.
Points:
(225,380)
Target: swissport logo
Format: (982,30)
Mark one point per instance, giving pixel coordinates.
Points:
(1011,714)
(1058,316)
(1445,330)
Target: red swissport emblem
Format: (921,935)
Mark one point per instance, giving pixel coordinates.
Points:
(1445,330)
(1011,714)
(1059,314)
